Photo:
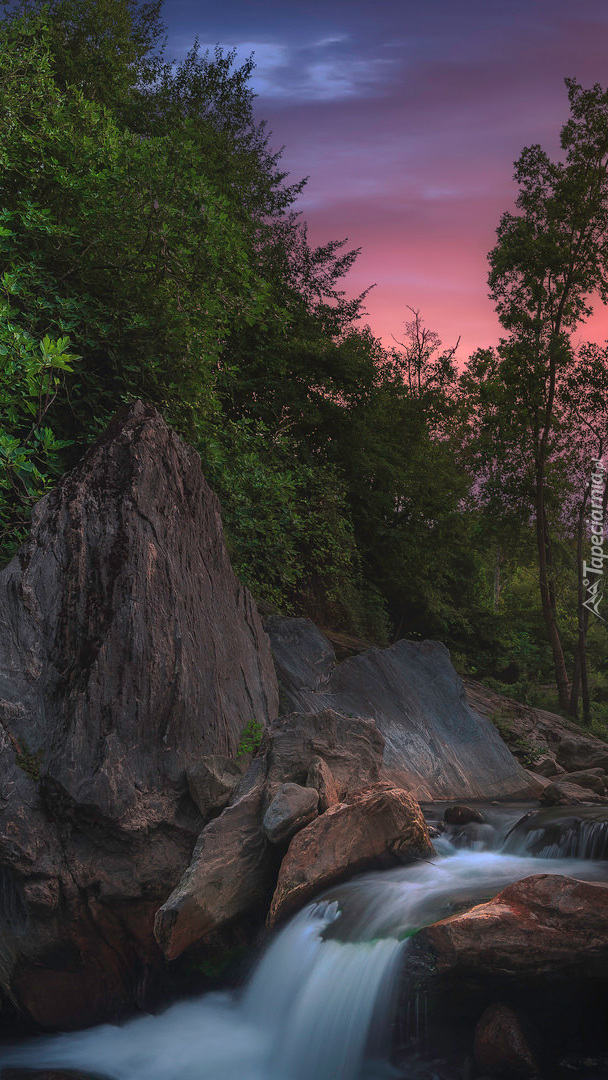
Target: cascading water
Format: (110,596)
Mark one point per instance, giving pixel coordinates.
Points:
(321,1002)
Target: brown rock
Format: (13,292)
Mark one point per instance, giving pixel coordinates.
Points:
(320,776)
(592,779)
(575,754)
(544,925)
(378,827)
(212,781)
(501,1047)
(547,766)
(292,808)
(231,873)
(461,815)
(562,793)
(128,650)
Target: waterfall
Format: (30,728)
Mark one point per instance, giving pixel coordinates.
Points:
(564,833)
(322,1000)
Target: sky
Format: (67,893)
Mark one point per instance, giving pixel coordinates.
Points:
(407,116)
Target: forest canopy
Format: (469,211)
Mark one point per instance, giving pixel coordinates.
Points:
(151,246)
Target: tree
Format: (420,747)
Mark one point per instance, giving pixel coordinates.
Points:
(549,261)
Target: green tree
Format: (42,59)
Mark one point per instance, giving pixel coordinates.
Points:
(550,259)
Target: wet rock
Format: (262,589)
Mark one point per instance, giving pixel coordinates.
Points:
(212,781)
(544,926)
(563,793)
(579,832)
(380,827)
(435,746)
(128,650)
(576,754)
(321,778)
(292,808)
(501,1047)
(461,815)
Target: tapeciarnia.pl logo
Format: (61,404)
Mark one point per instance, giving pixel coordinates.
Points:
(593,571)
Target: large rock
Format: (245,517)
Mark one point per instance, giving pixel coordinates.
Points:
(564,793)
(231,875)
(502,1049)
(350,747)
(128,650)
(435,745)
(379,827)
(292,808)
(577,754)
(544,926)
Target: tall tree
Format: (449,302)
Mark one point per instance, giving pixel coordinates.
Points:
(549,261)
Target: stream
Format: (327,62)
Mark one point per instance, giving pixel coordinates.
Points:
(320,1003)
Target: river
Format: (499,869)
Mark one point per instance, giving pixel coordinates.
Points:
(320,1003)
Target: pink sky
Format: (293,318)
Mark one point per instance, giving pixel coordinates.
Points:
(407,115)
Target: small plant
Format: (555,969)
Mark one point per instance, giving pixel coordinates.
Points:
(251,738)
(30,761)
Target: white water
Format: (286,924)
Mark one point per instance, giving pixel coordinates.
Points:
(316,1007)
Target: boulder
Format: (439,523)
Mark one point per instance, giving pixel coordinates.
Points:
(434,745)
(547,766)
(128,650)
(351,748)
(231,875)
(461,815)
(563,793)
(546,926)
(379,827)
(292,808)
(576,754)
(212,781)
(321,778)
(594,779)
(501,1048)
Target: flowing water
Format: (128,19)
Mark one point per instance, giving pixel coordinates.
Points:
(320,1005)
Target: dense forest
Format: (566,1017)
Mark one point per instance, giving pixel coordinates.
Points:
(151,247)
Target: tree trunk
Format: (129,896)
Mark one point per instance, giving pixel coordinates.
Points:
(547,596)
(580,668)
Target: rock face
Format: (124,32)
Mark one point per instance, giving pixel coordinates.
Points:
(234,867)
(212,781)
(350,747)
(543,926)
(434,745)
(501,1047)
(128,650)
(380,827)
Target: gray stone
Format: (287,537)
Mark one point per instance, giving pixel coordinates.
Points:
(292,808)
(435,745)
(232,871)
(212,781)
(128,650)
(351,747)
